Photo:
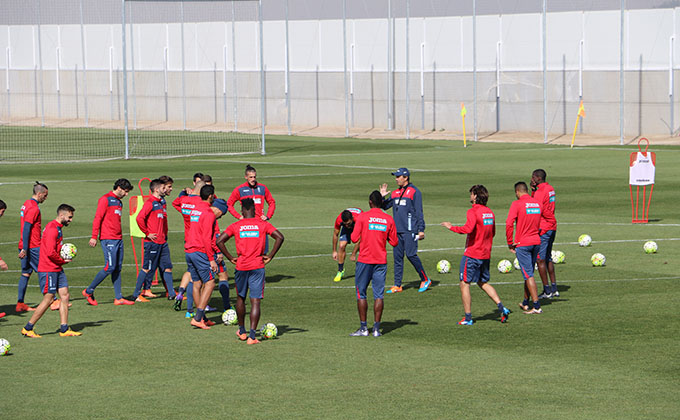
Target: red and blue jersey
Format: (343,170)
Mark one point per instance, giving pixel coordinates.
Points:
(374,228)
(50,260)
(184,204)
(480,228)
(29,225)
(526,211)
(259,193)
(153,218)
(338,221)
(407,209)
(200,237)
(250,236)
(545,194)
(106,224)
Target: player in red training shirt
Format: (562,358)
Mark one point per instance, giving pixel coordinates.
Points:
(249,234)
(3,264)
(480,228)
(374,228)
(52,273)
(106,225)
(259,193)
(29,241)
(200,253)
(526,211)
(153,222)
(545,194)
(342,232)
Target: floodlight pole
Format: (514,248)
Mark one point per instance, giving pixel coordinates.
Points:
(344,60)
(82,51)
(125,98)
(474,66)
(408,64)
(545,68)
(262,85)
(623,2)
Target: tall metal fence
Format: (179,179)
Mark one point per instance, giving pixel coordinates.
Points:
(519,66)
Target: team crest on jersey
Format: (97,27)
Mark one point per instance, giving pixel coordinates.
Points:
(118,212)
(257,200)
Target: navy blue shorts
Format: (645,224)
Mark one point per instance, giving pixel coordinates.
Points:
(221,266)
(545,249)
(370,273)
(198,266)
(53,281)
(473,270)
(156,255)
(113,254)
(526,256)
(251,279)
(345,234)
(29,263)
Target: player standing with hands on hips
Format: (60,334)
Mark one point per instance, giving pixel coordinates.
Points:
(407,209)
(545,194)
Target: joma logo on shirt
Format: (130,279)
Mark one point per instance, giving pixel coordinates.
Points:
(249,227)
(377,220)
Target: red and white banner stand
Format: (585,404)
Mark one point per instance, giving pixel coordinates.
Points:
(642,170)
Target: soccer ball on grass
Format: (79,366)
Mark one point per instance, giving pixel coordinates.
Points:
(443,267)
(650,247)
(68,251)
(584,240)
(229,317)
(4,347)
(598,260)
(504,266)
(269,330)
(558,257)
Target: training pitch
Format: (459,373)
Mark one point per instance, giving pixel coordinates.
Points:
(606,348)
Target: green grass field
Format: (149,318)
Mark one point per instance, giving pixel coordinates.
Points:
(606,348)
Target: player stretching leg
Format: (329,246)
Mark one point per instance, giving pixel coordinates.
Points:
(250,235)
(407,209)
(107,227)
(3,264)
(374,228)
(545,194)
(342,232)
(50,269)
(526,211)
(480,228)
(29,241)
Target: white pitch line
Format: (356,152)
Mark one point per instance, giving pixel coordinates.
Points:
(440,284)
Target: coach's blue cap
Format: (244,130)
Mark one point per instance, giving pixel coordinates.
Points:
(401,172)
(221,205)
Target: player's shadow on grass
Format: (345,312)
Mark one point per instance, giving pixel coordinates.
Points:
(287,329)
(416,284)
(83,325)
(277,278)
(389,326)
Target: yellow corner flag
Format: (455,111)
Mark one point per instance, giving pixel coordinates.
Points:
(463,112)
(581,114)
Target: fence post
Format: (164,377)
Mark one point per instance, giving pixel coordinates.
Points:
(125,97)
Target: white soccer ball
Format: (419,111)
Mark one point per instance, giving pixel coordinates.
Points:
(443,267)
(650,247)
(269,330)
(598,260)
(558,257)
(68,251)
(516,264)
(504,266)
(4,347)
(584,240)
(229,317)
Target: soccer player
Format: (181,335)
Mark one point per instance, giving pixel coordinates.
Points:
(259,193)
(374,228)
(200,252)
(29,241)
(342,232)
(3,264)
(407,205)
(50,269)
(165,266)
(107,227)
(249,234)
(480,227)
(526,212)
(153,222)
(545,194)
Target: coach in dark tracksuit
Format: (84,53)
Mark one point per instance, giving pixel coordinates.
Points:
(407,204)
